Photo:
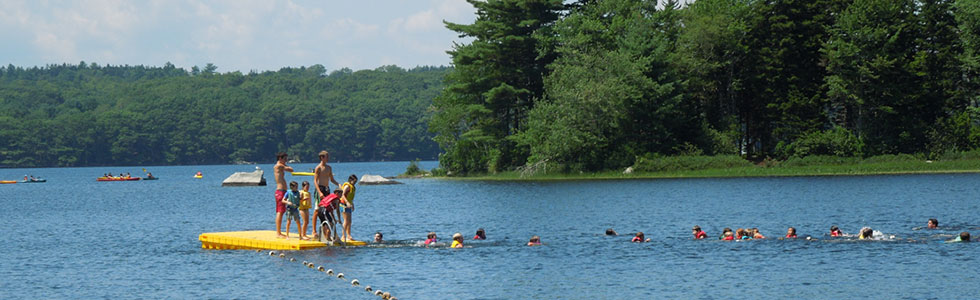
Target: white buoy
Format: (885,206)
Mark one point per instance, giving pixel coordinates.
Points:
(282,255)
(271,253)
(329,271)
(355,282)
(378,293)
(320,268)
(340,275)
(367,288)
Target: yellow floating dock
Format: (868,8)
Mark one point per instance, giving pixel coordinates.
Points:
(261,239)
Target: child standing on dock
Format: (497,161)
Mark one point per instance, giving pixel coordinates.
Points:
(292,201)
(347,204)
(304,207)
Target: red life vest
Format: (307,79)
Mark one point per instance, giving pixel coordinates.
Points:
(791,236)
(700,235)
(329,201)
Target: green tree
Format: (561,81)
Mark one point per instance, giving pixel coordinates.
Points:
(494,83)
(871,87)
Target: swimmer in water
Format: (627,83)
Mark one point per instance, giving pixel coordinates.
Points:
(756,234)
(834,231)
(742,234)
(431,238)
(964,237)
(378,237)
(535,241)
(933,224)
(726,235)
(457,240)
(698,234)
(480,234)
(791,233)
(640,238)
(866,233)
(610,231)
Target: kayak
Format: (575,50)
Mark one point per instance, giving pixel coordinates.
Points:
(198,176)
(8,181)
(117,179)
(302,173)
(33,181)
(150,178)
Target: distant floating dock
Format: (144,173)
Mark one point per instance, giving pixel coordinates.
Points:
(261,239)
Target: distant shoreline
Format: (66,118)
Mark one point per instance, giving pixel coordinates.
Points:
(861,169)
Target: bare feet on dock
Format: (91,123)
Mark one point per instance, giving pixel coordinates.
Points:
(280,236)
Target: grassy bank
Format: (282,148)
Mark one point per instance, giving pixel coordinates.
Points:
(725,166)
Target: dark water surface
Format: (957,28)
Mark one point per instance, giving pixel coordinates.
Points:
(73,237)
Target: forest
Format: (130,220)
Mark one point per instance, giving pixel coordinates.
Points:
(555,86)
(88,114)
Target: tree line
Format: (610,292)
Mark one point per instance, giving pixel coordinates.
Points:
(88,114)
(594,85)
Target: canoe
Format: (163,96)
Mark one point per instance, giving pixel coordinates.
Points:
(117,179)
(302,173)
(8,181)
(34,181)
(261,239)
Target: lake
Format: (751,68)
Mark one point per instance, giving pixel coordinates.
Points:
(73,237)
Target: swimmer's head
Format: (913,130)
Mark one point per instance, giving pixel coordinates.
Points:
(933,223)
(352,178)
(610,231)
(964,236)
(696,229)
(431,235)
(535,239)
(481,233)
(293,185)
(640,235)
(791,231)
(458,237)
(866,232)
(378,237)
(306,185)
(834,229)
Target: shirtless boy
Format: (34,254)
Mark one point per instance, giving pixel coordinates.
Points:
(322,176)
(279,171)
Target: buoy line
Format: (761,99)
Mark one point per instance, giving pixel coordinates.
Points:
(330,272)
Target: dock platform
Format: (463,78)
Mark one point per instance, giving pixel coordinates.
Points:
(261,239)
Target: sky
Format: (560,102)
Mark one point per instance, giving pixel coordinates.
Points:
(235,35)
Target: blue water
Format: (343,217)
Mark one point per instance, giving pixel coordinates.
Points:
(73,237)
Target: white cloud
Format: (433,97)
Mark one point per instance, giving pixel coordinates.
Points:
(233,34)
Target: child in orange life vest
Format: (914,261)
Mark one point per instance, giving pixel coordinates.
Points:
(640,238)
(430,239)
(756,234)
(698,234)
(726,235)
(834,231)
(791,233)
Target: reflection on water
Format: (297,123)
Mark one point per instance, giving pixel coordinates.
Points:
(73,237)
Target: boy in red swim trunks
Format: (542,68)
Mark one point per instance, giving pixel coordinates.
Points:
(278,172)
